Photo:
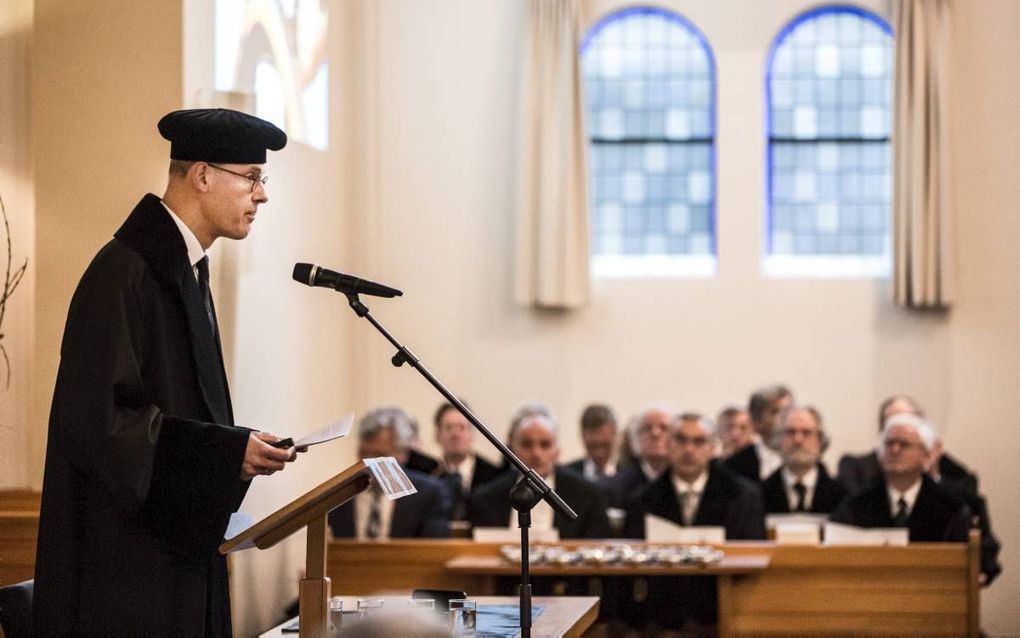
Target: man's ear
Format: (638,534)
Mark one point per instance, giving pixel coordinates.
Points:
(198,176)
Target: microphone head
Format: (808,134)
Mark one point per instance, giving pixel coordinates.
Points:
(304,273)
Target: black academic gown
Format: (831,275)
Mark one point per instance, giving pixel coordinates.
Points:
(143,459)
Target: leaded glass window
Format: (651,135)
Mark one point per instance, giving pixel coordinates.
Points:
(649,87)
(829,97)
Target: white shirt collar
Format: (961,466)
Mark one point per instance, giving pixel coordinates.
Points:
(466,469)
(589,469)
(195,252)
(910,496)
(649,473)
(808,480)
(698,486)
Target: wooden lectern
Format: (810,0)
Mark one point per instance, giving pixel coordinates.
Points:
(308,511)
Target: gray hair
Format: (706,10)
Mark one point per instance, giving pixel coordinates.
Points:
(925,430)
(707,424)
(634,425)
(527,411)
(388,418)
(784,417)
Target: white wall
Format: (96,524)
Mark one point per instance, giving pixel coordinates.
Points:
(17,329)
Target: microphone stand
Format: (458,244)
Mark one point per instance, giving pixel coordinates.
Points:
(531,489)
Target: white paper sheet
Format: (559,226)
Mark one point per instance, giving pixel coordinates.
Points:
(332,431)
(660,530)
(239,521)
(838,534)
(507,535)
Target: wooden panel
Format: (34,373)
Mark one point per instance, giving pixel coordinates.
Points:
(19,500)
(18,532)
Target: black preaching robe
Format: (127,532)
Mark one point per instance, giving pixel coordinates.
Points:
(143,458)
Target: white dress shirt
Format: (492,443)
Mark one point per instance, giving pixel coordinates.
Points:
(591,471)
(809,480)
(195,252)
(362,509)
(768,459)
(909,497)
(690,495)
(466,469)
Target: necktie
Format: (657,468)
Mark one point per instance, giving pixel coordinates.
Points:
(801,491)
(203,288)
(688,502)
(900,519)
(374,526)
(455,482)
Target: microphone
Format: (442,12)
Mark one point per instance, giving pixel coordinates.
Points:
(312,275)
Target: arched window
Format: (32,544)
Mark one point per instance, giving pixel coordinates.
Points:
(829,95)
(649,90)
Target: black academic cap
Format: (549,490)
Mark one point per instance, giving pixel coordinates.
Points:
(220,135)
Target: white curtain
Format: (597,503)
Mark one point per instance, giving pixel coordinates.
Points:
(552,269)
(922,224)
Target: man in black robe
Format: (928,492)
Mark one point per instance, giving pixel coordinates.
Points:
(144,464)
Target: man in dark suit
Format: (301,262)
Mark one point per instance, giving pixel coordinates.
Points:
(648,434)
(857,473)
(144,463)
(802,484)
(370,515)
(695,491)
(758,460)
(463,471)
(533,439)
(904,496)
(598,434)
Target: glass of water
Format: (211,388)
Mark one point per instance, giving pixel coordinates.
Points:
(463,616)
(368,606)
(336,615)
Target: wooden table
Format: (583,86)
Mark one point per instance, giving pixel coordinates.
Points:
(561,615)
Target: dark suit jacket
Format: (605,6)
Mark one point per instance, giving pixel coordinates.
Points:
(745,463)
(626,485)
(729,501)
(858,473)
(421,462)
(490,505)
(937,515)
(577,466)
(422,515)
(483,473)
(827,496)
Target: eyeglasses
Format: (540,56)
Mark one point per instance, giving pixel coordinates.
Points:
(254,179)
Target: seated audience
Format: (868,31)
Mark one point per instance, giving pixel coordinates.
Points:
(697,491)
(462,470)
(802,484)
(736,431)
(856,473)
(598,434)
(370,515)
(759,459)
(533,439)
(904,495)
(648,434)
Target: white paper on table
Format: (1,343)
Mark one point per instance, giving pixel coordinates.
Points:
(796,528)
(661,530)
(506,535)
(239,521)
(839,534)
(390,477)
(332,431)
